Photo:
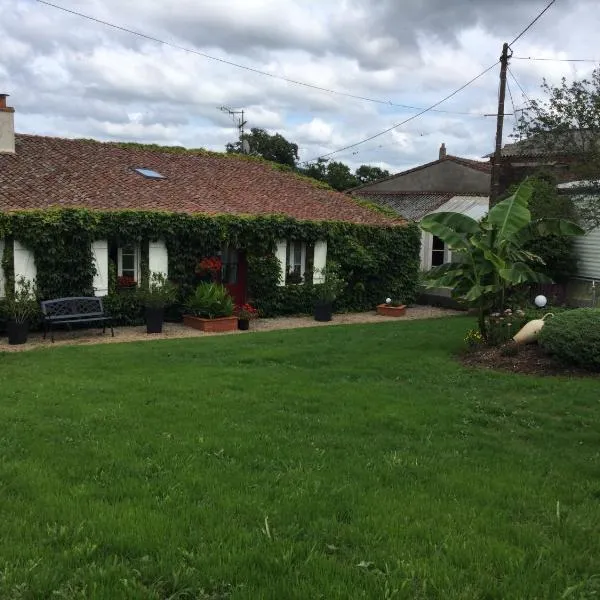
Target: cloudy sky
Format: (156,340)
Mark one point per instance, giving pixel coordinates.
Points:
(71,77)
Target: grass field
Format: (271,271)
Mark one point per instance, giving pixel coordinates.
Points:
(339,462)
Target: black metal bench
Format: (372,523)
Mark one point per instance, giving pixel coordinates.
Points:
(67,311)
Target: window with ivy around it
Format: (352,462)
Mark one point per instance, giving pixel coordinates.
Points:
(299,262)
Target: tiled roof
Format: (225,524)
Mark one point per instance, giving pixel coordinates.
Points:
(410,205)
(55,172)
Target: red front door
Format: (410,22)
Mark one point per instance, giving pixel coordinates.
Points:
(233,274)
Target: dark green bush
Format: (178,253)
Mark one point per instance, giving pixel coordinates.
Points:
(574,337)
(126,307)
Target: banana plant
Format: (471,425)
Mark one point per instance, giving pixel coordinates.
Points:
(488,255)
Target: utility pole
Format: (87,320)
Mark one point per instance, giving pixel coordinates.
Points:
(496,164)
(239,122)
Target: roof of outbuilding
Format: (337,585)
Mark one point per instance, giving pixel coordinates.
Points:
(48,172)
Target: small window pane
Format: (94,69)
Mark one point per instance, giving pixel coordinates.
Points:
(128,262)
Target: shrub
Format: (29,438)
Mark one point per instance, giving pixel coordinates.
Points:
(574,336)
(210,301)
(126,307)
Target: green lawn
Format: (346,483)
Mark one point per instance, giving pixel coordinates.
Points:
(338,462)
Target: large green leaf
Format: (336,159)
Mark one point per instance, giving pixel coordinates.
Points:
(560,227)
(512,214)
(522,273)
(452,228)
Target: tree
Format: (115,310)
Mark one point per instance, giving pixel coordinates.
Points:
(557,252)
(567,122)
(339,176)
(367,174)
(271,147)
(491,255)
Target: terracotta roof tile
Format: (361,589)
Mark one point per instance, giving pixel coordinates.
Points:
(55,172)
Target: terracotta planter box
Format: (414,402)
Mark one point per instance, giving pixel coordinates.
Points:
(391,311)
(211,325)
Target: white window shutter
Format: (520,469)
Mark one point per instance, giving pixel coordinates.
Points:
(281,254)
(158,258)
(319,261)
(24,263)
(100,254)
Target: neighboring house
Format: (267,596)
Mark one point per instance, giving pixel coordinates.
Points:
(449,184)
(584,288)
(559,155)
(46,173)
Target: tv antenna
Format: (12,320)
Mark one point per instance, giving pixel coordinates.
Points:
(238,118)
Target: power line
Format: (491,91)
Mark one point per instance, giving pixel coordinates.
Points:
(532,23)
(412,118)
(582,60)
(450,96)
(520,87)
(245,67)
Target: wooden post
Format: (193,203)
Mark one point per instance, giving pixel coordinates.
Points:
(496,164)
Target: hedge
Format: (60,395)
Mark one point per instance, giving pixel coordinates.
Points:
(374,261)
(574,337)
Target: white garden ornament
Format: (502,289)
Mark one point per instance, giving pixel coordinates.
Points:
(530,331)
(540,301)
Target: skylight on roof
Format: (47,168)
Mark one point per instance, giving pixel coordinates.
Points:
(149,173)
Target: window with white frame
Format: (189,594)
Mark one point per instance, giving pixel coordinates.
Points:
(299,261)
(128,262)
(438,252)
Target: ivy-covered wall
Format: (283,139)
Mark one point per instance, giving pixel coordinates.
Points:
(375,262)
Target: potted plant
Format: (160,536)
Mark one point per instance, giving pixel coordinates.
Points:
(21,307)
(391,308)
(159,294)
(245,313)
(327,292)
(210,308)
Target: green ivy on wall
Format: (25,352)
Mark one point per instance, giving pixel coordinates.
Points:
(375,261)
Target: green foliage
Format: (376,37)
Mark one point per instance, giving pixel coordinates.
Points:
(574,336)
(567,123)
(491,256)
(126,307)
(21,305)
(210,301)
(366,174)
(374,261)
(339,176)
(332,286)
(270,147)
(557,252)
(159,293)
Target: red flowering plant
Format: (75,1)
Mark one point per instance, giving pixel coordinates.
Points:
(246,311)
(210,266)
(126,281)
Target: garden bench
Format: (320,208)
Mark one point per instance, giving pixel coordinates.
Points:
(66,311)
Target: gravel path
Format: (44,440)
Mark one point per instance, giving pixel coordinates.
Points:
(86,337)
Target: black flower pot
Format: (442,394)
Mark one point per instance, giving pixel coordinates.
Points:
(323,311)
(154,319)
(243,324)
(17,333)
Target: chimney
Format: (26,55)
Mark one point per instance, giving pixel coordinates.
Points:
(7,127)
(442,151)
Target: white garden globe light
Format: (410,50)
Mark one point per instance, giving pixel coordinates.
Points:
(541,301)
(388,300)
